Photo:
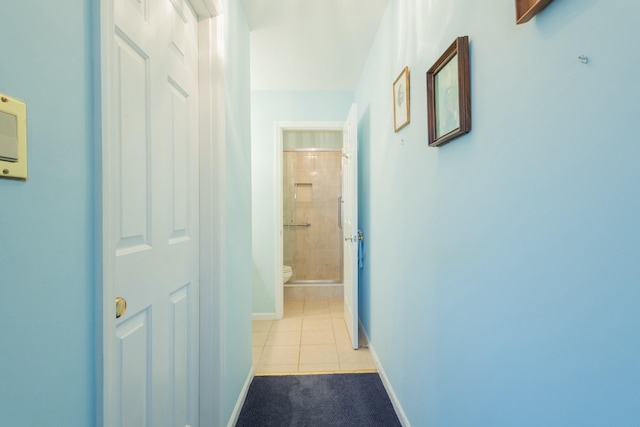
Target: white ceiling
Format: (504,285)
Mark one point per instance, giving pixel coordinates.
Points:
(310,44)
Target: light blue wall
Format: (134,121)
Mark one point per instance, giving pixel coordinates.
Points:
(46,223)
(502,280)
(268,107)
(47,254)
(237,254)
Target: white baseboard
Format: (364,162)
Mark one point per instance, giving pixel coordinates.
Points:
(240,402)
(264,316)
(387,385)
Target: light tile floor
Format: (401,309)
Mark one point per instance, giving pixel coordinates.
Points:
(311,338)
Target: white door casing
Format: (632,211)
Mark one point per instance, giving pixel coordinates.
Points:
(149,118)
(350,222)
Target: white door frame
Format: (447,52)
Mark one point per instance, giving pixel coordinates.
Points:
(211,134)
(281,127)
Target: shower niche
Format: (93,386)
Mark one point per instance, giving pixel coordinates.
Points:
(312,188)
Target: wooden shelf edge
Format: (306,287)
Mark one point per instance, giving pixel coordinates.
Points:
(535,8)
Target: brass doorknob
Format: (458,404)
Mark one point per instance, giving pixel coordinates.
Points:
(121,306)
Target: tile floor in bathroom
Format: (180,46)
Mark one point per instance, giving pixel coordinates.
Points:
(311,338)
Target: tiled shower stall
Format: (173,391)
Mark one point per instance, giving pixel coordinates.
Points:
(312,180)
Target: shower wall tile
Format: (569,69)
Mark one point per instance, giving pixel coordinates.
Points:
(315,253)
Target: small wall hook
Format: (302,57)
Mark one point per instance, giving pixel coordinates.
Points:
(584,59)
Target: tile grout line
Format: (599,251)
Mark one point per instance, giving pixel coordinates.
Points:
(324,312)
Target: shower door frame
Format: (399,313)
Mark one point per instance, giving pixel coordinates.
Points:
(281,128)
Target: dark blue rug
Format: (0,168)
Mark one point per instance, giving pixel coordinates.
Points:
(318,400)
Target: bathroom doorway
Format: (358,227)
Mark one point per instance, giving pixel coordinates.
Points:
(311,205)
(318,330)
(347,215)
(307,130)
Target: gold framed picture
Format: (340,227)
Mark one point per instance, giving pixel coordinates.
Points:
(401,101)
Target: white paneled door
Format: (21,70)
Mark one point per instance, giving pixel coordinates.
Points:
(350,220)
(154,180)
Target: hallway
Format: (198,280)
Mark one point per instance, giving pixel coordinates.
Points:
(311,338)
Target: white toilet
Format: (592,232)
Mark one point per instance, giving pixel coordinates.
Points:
(287,272)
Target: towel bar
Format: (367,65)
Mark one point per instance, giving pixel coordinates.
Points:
(307,225)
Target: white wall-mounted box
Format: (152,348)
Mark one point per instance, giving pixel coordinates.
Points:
(13,138)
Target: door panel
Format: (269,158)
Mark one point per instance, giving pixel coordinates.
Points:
(350,222)
(179,161)
(156,212)
(180,342)
(134,368)
(139,6)
(132,187)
